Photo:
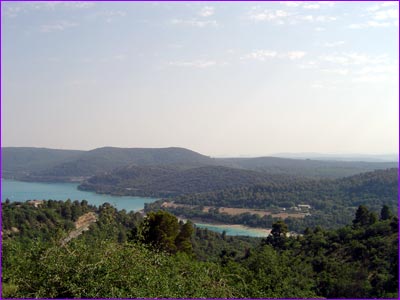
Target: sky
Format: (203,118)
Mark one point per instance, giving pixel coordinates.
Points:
(220,78)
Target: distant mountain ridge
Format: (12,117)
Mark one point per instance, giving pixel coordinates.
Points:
(19,161)
(52,165)
(305,167)
(342,157)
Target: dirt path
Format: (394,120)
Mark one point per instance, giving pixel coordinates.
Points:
(81,225)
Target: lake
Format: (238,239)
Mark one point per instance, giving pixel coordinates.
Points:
(22,191)
(236,229)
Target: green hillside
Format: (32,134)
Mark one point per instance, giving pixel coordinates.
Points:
(22,161)
(332,201)
(125,256)
(170,181)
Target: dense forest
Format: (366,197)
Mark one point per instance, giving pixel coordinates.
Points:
(333,202)
(127,255)
(169,181)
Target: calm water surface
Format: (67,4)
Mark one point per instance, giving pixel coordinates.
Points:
(233,231)
(22,191)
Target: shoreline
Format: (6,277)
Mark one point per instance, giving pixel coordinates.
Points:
(262,231)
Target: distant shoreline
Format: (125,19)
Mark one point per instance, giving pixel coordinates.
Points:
(238,226)
(259,230)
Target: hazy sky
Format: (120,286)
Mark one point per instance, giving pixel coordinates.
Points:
(219,78)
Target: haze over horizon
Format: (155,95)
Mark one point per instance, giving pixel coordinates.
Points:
(300,155)
(221,79)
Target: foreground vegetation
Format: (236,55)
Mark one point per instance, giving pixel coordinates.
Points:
(126,255)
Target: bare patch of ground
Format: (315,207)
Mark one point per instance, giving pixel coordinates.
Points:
(237,211)
(81,225)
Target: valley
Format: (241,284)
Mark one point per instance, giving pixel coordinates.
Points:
(253,192)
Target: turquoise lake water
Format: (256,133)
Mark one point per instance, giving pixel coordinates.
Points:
(22,191)
(232,231)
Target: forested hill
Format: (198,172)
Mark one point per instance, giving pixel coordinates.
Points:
(20,161)
(170,181)
(39,164)
(305,167)
(332,201)
(366,188)
(89,163)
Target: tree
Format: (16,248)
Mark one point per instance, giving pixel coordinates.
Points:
(363,217)
(386,214)
(278,234)
(183,240)
(161,229)
(66,211)
(279,229)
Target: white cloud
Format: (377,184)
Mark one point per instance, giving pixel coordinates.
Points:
(195,22)
(325,18)
(198,64)
(61,4)
(260,55)
(295,54)
(269,15)
(373,8)
(291,3)
(356,26)
(12,11)
(79,4)
(382,4)
(206,11)
(60,26)
(334,44)
(108,16)
(308,5)
(378,16)
(319,29)
(263,55)
(309,18)
(289,16)
(327,3)
(311,6)
(386,14)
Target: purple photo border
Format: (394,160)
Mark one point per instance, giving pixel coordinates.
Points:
(1,112)
(1,150)
(398,167)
